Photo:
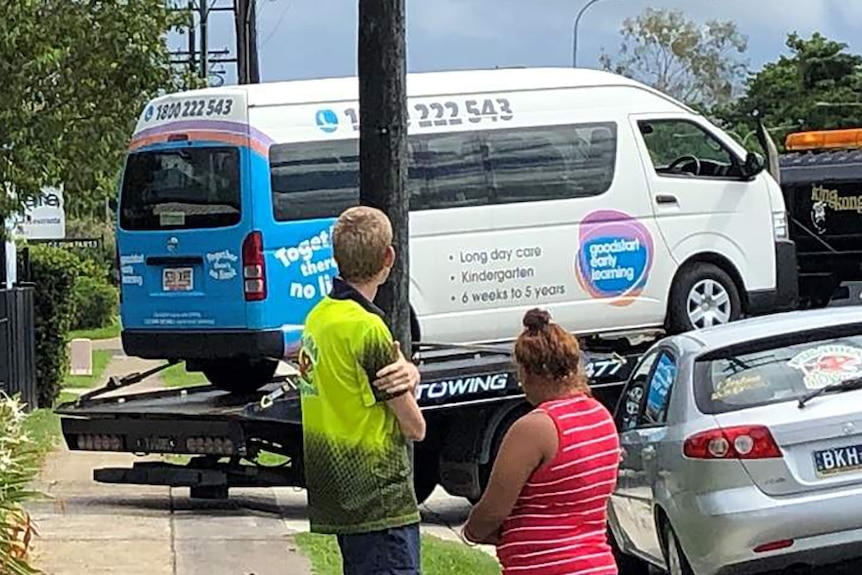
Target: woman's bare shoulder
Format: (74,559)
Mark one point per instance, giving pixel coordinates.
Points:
(538,429)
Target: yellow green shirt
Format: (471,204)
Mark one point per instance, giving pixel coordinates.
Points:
(357,462)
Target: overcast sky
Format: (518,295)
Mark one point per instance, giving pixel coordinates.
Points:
(317,38)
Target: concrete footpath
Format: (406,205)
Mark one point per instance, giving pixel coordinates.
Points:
(93,529)
(87,528)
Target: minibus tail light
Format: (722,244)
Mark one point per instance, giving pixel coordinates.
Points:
(253,267)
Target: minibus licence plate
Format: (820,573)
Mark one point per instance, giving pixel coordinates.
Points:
(177,279)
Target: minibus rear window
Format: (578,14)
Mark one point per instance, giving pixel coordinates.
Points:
(181,189)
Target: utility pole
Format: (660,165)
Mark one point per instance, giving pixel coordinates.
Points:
(248,68)
(383,144)
(193,46)
(204,11)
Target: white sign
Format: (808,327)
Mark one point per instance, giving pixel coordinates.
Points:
(43,219)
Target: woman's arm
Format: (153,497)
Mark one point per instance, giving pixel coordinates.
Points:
(529,443)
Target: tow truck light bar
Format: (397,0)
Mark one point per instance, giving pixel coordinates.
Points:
(825,140)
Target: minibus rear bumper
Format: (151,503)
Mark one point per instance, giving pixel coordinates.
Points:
(210,344)
(785,296)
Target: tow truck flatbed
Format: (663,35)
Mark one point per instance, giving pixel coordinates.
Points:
(469,394)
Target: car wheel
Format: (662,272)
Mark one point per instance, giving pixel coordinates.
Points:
(704,295)
(240,375)
(677,564)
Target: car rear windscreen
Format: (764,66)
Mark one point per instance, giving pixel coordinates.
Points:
(181,189)
(783,371)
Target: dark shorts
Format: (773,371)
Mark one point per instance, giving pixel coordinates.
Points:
(388,552)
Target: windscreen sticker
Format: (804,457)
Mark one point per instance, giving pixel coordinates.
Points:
(736,385)
(167,219)
(828,364)
(615,256)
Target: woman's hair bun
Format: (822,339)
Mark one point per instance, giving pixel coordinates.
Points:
(537,319)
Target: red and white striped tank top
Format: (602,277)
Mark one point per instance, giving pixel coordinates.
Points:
(559,523)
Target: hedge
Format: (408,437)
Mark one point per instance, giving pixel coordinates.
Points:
(95,303)
(54,271)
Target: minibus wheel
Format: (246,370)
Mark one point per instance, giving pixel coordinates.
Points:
(703,295)
(240,375)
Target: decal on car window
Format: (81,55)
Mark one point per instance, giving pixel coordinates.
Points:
(736,385)
(828,364)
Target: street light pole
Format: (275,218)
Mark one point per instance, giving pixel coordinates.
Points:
(575,35)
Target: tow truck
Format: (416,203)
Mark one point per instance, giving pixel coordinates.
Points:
(821,177)
(470,395)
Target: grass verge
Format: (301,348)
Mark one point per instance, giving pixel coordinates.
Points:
(438,557)
(110,332)
(177,376)
(101,359)
(43,427)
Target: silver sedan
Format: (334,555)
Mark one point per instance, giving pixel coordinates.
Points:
(742,448)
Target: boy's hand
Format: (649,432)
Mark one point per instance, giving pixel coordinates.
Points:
(397,377)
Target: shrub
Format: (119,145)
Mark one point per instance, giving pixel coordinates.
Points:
(54,271)
(18,468)
(95,303)
(104,257)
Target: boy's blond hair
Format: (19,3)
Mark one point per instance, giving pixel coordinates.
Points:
(359,241)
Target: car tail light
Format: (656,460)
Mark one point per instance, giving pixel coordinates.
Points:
(742,442)
(774,546)
(253,267)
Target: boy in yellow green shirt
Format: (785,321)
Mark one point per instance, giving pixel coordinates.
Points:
(359,410)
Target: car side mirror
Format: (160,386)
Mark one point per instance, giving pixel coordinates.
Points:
(754,164)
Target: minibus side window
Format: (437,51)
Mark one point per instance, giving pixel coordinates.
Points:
(551,163)
(683,148)
(314,179)
(453,170)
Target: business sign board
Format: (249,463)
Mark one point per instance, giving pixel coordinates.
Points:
(43,218)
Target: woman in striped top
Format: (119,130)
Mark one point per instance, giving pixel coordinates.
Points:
(545,507)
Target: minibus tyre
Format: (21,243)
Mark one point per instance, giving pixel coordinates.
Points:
(694,276)
(240,375)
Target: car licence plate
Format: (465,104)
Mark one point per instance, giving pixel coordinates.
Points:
(838,460)
(177,279)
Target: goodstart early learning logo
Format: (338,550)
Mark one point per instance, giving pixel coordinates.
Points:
(615,256)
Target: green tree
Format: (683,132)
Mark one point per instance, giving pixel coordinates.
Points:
(76,74)
(701,65)
(817,86)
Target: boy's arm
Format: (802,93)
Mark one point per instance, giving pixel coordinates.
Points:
(380,355)
(410,418)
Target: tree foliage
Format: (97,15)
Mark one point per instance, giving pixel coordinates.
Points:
(817,86)
(76,74)
(700,65)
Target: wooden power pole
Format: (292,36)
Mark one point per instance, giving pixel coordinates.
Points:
(383,143)
(248,67)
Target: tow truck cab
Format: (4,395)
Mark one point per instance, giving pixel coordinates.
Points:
(821,178)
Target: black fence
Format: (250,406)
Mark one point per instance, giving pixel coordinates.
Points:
(18,345)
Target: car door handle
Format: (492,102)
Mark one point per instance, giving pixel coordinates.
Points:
(666,199)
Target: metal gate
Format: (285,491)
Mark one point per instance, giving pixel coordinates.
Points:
(18,345)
